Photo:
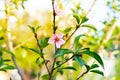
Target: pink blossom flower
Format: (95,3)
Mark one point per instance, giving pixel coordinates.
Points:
(58,11)
(57,39)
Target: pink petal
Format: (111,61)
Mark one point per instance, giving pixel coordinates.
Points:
(62,41)
(51,41)
(59,35)
(58,44)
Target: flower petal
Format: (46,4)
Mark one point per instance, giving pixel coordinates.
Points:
(58,44)
(59,35)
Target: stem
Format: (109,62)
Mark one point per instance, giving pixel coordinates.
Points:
(63,62)
(10,44)
(81,75)
(42,54)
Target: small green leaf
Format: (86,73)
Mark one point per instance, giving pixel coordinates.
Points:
(67,30)
(43,42)
(94,66)
(35,50)
(8,67)
(94,55)
(58,63)
(7,60)
(32,28)
(79,60)
(84,19)
(37,60)
(76,41)
(71,68)
(36,29)
(7,51)
(61,52)
(89,26)
(98,72)
(87,67)
(76,16)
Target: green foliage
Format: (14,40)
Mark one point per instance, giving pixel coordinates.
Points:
(98,72)
(89,26)
(43,42)
(61,52)
(70,68)
(76,42)
(79,60)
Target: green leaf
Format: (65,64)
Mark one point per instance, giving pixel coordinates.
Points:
(94,66)
(45,77)
(7,51)
(67,30)
(61,52)
(58,63)
(76,41)
(84,19)
(1,38)
(71,68)
(37,60)
(94,55)
(32,28)
(79,60)
(0,53)
(98,72)
(35,50)
(89,26)
(36,29)
(8,67)
(76,16)
(7,60)
(43,42)
(87,67)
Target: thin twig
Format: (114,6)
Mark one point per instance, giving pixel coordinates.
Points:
(10,44)
(42,54)
(64,62)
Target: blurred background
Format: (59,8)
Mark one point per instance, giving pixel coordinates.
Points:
(104,38)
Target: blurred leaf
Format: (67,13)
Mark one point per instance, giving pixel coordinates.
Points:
(0,53)
(43,42)
(1,61)
(98,72)
(76,41)
(7,51)
(67,30)
(35,50)
(94,66)
(37,60)
(89,26)
(36,29)
(1,38)
(7,67)
(7,60)
(84,19)
(45,77)
(94,55)
(76,16)
(32,28)
(79,60)
(61,52)
(71,68)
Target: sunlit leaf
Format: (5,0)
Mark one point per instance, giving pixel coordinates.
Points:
(84,19)
(62,52)
(37,60)
(94,55)
(71,68)
(76,16)
(98,72)
(79,60)
(32,28)
(7,51)
(76,41)
(89,26)
(35,50)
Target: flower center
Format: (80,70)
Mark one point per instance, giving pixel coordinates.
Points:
(56,39)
